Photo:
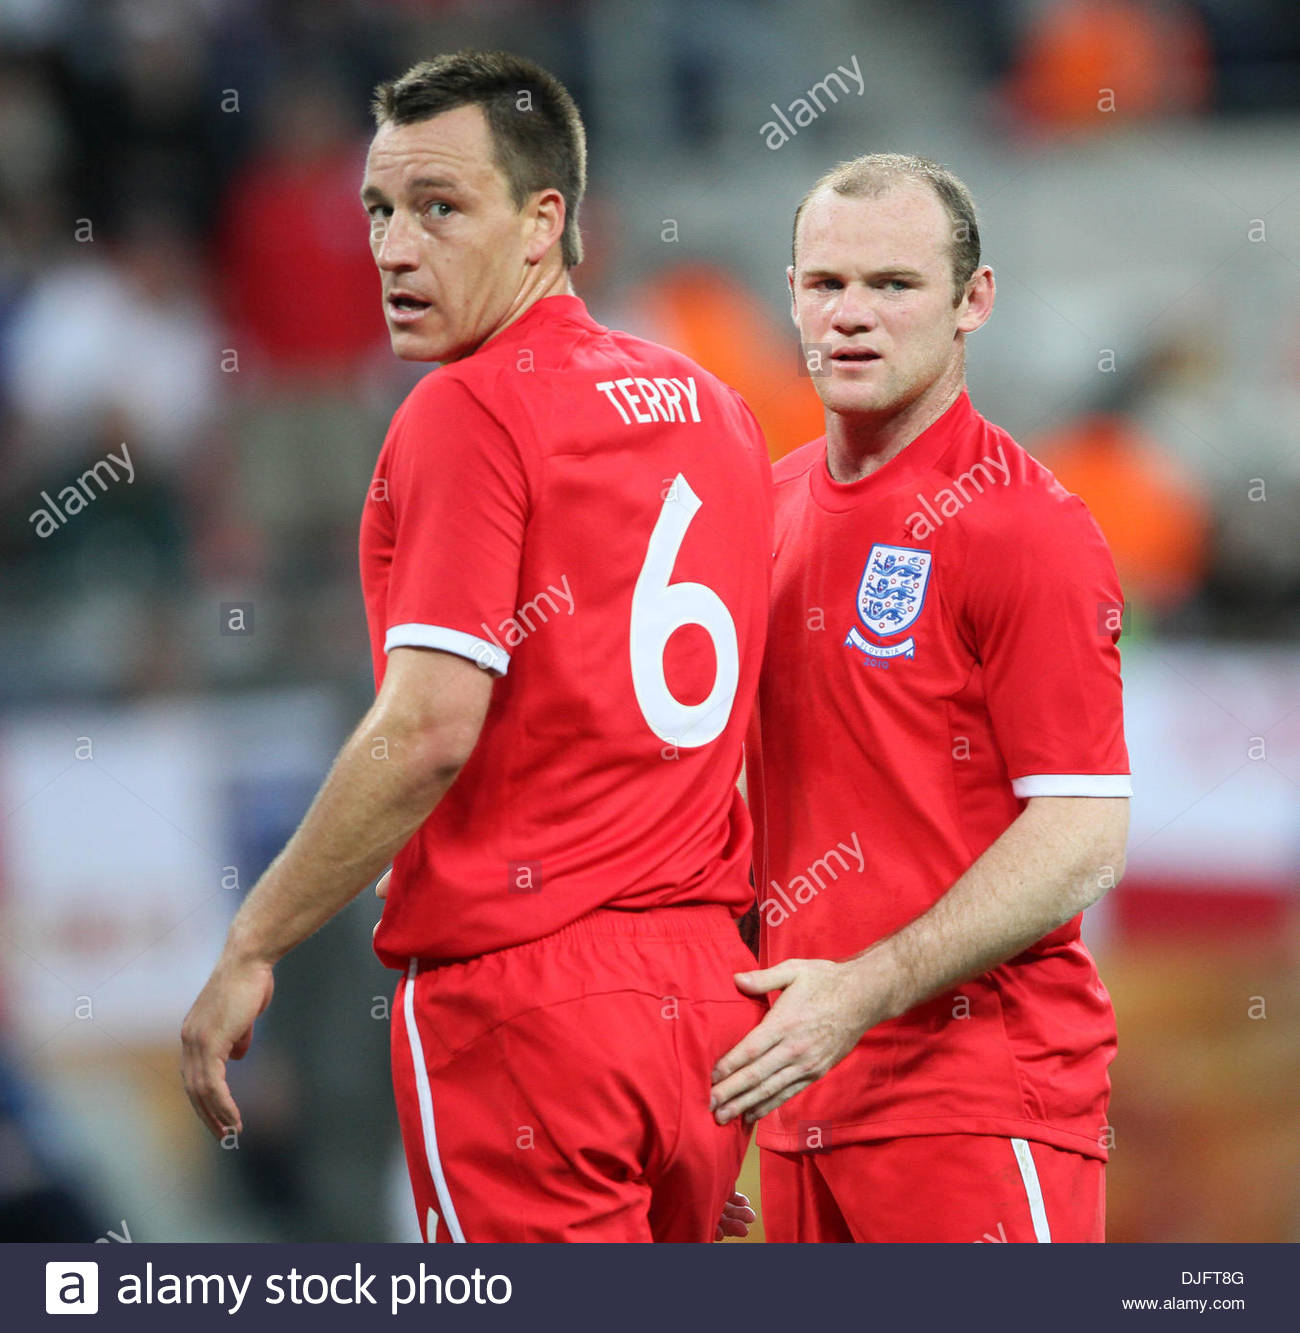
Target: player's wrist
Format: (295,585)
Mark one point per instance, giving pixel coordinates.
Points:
(879,985)
(245,947)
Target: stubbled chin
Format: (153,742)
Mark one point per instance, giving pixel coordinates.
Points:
(410,346)
(851,397)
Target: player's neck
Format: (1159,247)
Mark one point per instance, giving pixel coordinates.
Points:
(859,443)
(536,286)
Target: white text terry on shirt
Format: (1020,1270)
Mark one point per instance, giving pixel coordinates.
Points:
(644,401)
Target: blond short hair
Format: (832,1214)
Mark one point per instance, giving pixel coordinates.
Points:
(871,175)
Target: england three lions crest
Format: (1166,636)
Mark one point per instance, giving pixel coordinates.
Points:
(890,598)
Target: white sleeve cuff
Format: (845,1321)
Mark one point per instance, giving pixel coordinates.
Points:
(1073,784)
(490,656)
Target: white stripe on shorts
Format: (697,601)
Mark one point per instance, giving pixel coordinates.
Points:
(1029,1174)
(426,1111)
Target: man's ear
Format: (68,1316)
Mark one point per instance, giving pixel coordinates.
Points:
(548,213)
(977,302)
(789,282)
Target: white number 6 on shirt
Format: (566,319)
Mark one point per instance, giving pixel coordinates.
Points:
(658,609)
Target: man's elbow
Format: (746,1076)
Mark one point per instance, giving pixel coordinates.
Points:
(429,753)
(1109,853)
(431,708)
(1103,876)
(439,752)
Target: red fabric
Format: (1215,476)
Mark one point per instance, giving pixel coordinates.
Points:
(511,489)
(569,1081)
(930,1188)
(878,779)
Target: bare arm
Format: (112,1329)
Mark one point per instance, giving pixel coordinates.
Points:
(388,777)
(1058,857)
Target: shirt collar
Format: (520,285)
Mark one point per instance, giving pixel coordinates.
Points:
(549,311)
(911,461)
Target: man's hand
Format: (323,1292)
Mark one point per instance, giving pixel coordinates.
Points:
(219,1027)
(813,1025)
(1053,861)
(428,714)
(736,1217)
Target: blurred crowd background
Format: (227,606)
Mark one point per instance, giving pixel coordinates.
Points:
(184,273)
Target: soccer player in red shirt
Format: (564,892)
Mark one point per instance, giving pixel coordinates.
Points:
(939,781)
(565,556)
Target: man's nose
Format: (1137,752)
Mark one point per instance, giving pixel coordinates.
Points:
(394,245)
(854,311)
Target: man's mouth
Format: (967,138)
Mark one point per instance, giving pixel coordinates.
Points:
(855,355)
(404,308)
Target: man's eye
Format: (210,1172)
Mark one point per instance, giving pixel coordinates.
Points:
(440,208)
(376,211)
(828,284)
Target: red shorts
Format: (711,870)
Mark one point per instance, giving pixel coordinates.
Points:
(559,1090)
(936,1187)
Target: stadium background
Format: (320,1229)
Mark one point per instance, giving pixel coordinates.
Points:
(183,268)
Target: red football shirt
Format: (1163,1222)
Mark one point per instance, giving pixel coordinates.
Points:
(942,647)
(588,516)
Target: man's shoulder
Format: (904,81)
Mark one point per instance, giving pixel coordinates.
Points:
(506,380)
(997,489)
(649,359)
(440,384)
(799,462)
(458,387)
(445,412)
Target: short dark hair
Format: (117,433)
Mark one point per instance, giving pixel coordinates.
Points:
(875,173)
(537,135)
